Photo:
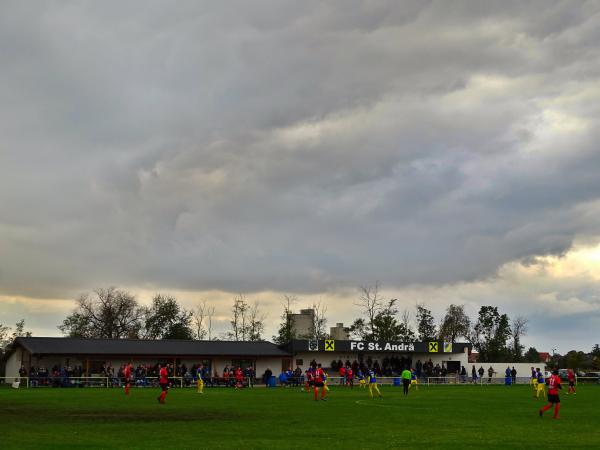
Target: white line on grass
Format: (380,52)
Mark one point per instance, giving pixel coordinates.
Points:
(360,402)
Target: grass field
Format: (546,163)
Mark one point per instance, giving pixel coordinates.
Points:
(481,417)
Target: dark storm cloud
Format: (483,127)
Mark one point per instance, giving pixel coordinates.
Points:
(297,146)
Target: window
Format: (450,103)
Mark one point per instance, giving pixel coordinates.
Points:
(243,363)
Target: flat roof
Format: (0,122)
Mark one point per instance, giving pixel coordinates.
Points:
(146,347)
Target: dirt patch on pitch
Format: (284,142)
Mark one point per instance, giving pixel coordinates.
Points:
(162,416)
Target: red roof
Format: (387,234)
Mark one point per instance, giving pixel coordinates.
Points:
(544,356)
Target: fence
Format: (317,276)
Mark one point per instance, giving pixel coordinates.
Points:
(116,382)
(464,380)
(190,382)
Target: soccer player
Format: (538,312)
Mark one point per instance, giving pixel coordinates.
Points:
(540,384)
(350,377)
(325,377)
(571,379)
(200,381)
(413,380)
(319,383)
(163,380)
(553,398)
(310,380)
(127,374)
(373,384)
(239,378)
(361,378)
(534,380)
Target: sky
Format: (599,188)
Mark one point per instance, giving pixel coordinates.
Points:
(447,150)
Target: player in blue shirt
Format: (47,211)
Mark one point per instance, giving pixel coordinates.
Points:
(541,384)
(373,383)
(200,381)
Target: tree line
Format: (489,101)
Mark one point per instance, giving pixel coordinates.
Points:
(9,334)
(111,313)
(493,334)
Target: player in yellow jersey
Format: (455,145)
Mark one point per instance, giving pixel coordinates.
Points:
(373,384)
(325,377)
(534,381)
(200,381)
(361,379)
(541,384)
(413,380)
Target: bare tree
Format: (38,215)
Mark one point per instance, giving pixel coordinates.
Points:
(405,320)
(371,303)
(7,340)
(238,320)
(287,331)
(202,320)
(256,323)
(319,323)
(519,329)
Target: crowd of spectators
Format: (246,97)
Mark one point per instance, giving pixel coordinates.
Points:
(143,375)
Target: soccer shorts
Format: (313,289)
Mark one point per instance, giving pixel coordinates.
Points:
(571,384)
(164,386)
(553,398)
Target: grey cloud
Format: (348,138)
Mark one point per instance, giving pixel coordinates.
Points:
(290,146)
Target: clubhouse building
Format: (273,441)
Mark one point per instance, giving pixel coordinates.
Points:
(92,354)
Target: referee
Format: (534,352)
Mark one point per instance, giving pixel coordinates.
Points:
(406,376)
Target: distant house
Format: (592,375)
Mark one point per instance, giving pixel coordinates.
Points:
(473,357)
(544,357)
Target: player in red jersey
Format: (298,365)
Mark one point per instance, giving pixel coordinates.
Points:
(310,380)
(571,378)
(319,383)
(239,378)
(553,398)
(350,377)
(128,375)
(163,380)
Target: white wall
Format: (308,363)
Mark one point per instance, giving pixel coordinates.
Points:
(523,369)
(13,364)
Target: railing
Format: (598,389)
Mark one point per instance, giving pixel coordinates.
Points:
(499,380)
(190,382)
(116,382)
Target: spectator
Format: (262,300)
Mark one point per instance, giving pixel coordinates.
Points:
(342,375)
(490,374)
(419,368)
(267,376)
(249,373)
(283,379)
(481,371)
(513,375)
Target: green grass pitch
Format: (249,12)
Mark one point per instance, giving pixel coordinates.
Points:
(448,417)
